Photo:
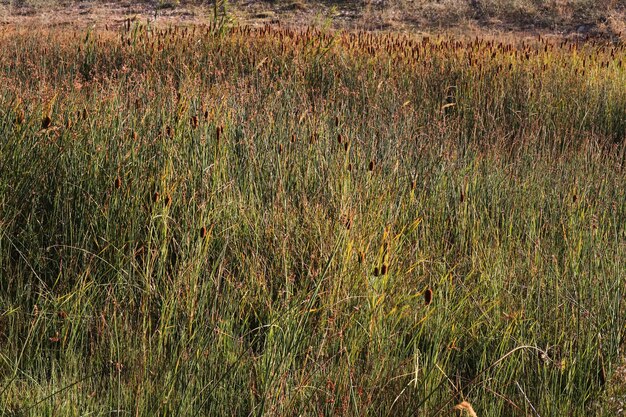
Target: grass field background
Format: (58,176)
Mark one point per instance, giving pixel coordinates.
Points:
(265,221)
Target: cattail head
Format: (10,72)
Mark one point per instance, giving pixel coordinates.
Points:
(339,138)
(336,121)
(346,145)
(155,197)
(280,148)
(361,257)
(46,122)
(383,269)
(376,271)
(118,183)
(167,200)
(203,232)
(293,138)
(428,297)
(194,121)
(135,136)
(370,168)
(349,167)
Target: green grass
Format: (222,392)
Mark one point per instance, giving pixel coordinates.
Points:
(188,235)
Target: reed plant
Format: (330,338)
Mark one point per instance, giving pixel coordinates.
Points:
(215,220)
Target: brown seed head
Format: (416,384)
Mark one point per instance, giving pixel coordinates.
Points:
(339,138)
(155,197)
(167,200)
(371,166)
(118,183)
(203,232)
(376,272)
(45,122)
(383,269)
(428,297)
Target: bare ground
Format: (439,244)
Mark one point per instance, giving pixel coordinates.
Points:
(463,17)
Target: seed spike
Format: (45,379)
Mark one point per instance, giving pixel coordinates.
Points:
(46,122)
(428,297)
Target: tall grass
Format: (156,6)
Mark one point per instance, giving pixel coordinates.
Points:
(295,222)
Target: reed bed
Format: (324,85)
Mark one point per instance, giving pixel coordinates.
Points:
(275,221)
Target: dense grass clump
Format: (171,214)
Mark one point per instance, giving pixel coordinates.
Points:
(280,222)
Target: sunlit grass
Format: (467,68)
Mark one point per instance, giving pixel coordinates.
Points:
(278,222)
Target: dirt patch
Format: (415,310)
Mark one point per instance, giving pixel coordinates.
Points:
(471,18)
(99,14)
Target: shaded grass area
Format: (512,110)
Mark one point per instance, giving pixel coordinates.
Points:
(214,221)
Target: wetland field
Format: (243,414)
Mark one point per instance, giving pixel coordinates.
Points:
(223,219)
